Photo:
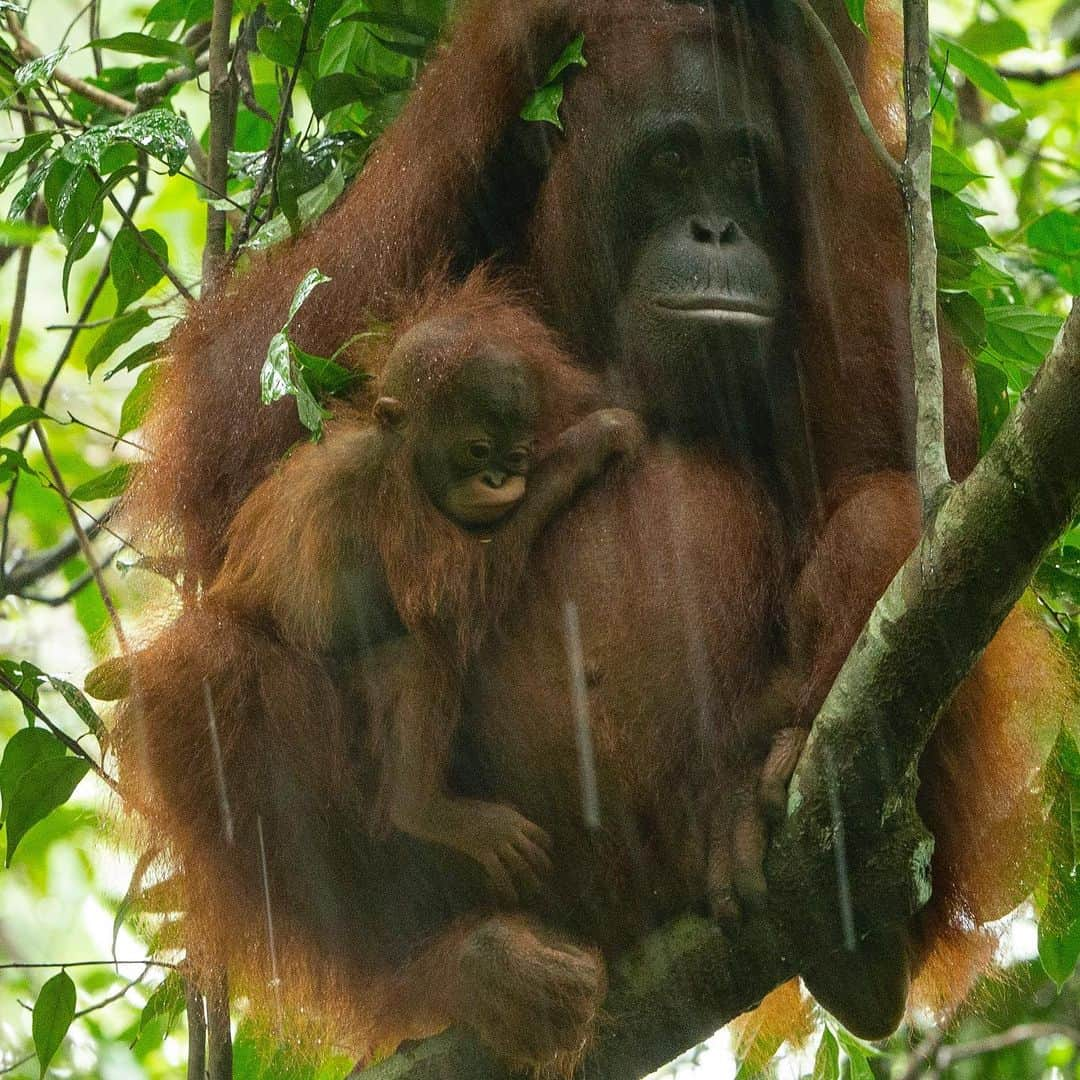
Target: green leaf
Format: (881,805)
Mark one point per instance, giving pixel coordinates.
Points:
(827,1058)
(20,416)
(572,56)
(281,44)
(312,279)
(1021,334)
(110,680)
(341,88)
(134,269)
(11,462)
(43,787)
(949,173)
(992,388)
(144,354)
(140,397)
(979,73)
(275,379)
(82,708)
(160,132)
(19,233)
(395,20)
(106,485)
(965,314)
(39,70)
(324,375)
(857,1055)
(544,105)
(414,50)
(145,45)
(34,144)
(25,195)
(10,5)
(955,223)
(24,749)
(992,37)
(1055,237)
(856,10)
(120,330)
(53,1012)
(188,12)
(165,1003)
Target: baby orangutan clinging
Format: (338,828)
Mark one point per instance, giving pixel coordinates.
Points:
(393,546)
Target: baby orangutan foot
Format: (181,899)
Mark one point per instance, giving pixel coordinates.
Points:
(532,996)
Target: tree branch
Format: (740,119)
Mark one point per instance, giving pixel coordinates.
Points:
(931,468)
(222,122)
(1041,76)
(685,981)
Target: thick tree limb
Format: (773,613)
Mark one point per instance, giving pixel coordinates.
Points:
(970,567)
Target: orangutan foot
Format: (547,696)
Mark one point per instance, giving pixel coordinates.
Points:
(533,997)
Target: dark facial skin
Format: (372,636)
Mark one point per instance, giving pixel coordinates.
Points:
(700,247)
(474,449)
(694,209)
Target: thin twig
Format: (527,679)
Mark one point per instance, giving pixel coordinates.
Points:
(947,1055)
(1041,76)
(30,51)
(166,269)
(147,95)
(73,745)
(828,42)
(32,964)
(122,992)
(931,466)
(28,572)
(73,517)
(277,140)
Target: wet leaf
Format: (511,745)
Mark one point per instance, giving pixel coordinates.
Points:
(79,705)
(34,144)
(544,103)
(40,69)
(312,279)
(53,1012)
(160,132)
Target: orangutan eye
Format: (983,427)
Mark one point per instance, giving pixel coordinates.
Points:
(479,450)
(670,161)
(518,460)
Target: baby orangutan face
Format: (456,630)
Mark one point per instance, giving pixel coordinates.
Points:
(472,443)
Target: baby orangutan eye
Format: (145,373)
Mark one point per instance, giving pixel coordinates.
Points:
(518,460)
(479,450)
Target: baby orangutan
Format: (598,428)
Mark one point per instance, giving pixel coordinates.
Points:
(394,545)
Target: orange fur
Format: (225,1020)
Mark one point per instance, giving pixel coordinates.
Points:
(676,571)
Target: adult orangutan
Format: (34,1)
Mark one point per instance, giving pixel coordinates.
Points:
(713,236)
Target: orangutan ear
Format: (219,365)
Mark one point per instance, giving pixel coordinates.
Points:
(389,412)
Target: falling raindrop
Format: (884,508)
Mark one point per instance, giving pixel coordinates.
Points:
(219,764)
(590,801)
(275,982)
